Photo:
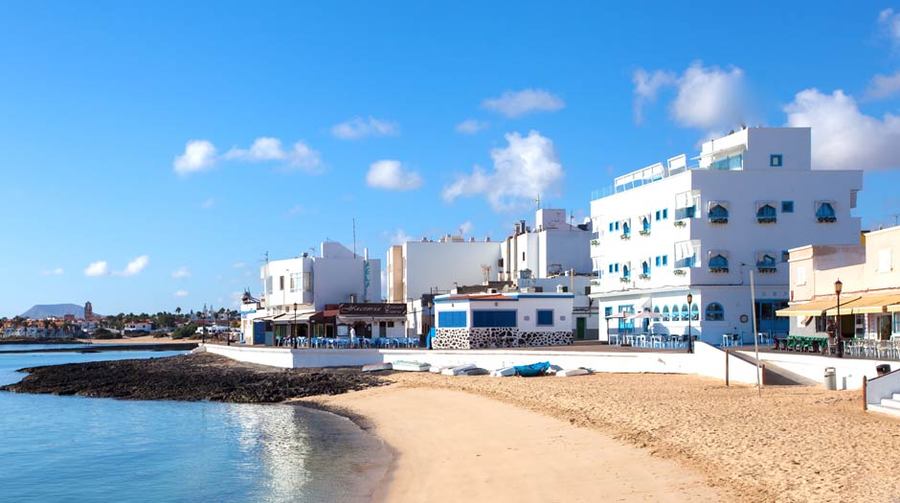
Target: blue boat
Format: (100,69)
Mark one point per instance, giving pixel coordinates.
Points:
(535,369)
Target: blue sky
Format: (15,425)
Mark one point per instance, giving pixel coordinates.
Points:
(320,113)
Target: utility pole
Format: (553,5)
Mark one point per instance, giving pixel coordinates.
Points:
(755,333)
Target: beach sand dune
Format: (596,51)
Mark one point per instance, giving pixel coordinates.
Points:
(455,446)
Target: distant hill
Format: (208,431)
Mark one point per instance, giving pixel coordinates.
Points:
(41,311)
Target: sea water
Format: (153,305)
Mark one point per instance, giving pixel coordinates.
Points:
(63,448)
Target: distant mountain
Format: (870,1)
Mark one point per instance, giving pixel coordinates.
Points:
(41,311)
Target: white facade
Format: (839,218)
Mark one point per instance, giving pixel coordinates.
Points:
(336,276)
(668,230)
(416,268)
(551,248)
(525,305)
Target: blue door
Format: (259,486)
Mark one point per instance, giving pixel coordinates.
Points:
(259,332)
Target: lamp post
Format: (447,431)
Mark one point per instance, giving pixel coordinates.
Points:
(690,344)
(838,332)
(294,329)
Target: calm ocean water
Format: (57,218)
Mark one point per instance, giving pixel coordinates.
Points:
(56,449)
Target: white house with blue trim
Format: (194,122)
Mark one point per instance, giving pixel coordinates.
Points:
(700,226)
(502,319)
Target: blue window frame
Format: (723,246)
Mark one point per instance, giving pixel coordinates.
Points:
(776,160)
(617,225)
(718,214)
(626,273)
(658,260)
(610,227)
(645,224)
(766,263)
(665,213)
(665,313)
(825,213)
(715,312)
(645,268)
(665,260)
(626,229)
(766,214)
(452,319)
(545,317)
(626,324)
(685,314)
(607,311)
(718,263)
(787,206)
(657,215)
(494,318)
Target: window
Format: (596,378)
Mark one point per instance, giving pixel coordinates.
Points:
(452,319)
(523,256)
(766,263)
(295,281)
(718,263)
(718,214)
(657,215)
(494,318)
(281,282)
(626,229)
(695,312)
(785,255)
(545,317)
(884,260)
(269,284)
(617,225)
(626,272)
(775,160)
(787,206)
(665,313)
(655,312)
(610,227)
(645,268)
(896,328)
(607,311)
(684,312)
(610,268)
(645,225)
(617,267)
(766,214)
(825,212)
(658,260)
(715,312)
(665,213)
(665,260)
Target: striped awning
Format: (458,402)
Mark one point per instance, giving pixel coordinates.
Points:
(868,304)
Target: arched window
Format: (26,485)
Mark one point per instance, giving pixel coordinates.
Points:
(685,314)
(715,312)
(626,229)
(645,225)
(825,213)
(665,313)
(655,312)
(695,312)
(645,268)
(766,263)
(718,263)
(718,214)
(766,214)
(626,272)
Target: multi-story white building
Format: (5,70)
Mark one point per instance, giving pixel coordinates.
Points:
(672,229)
(552,247)
(417,268)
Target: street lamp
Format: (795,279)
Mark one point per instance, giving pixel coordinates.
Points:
(839,336)
(690,299)
(294,329)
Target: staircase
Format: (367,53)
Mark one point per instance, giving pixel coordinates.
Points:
(888,405)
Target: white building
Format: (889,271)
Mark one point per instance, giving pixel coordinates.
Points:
(672,229)
(551,248)
(510,319)
(417,268)
(296,288)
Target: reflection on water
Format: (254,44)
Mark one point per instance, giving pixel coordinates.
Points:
(82,449)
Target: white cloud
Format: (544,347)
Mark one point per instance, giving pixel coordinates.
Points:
(57,271)
(471,126)
(883,86)
(647,86)
(399,237)
(392,175)
(889,20)
(208,203)
(98,268)
(181,273)
(268,149)
(135,266)
(181,293)
(239,265)
(842,136)
(518,103)
(706,97)
(465,228)
(358,127)
(198,155)
(527,168)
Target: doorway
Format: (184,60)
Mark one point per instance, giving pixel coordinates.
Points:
(580,326)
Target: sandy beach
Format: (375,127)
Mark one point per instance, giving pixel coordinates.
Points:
(617,437)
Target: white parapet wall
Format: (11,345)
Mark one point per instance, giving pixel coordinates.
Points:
(849,371)
(706,360)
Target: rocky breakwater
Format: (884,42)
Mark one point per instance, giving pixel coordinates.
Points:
(193,377)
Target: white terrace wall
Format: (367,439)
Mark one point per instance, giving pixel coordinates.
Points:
(882,387)
(850,371)
(706,361)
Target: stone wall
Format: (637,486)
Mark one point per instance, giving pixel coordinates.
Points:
(503,337)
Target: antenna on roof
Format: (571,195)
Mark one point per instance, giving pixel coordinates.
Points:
(537,201)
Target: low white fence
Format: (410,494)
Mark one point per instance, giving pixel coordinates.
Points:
(706,360)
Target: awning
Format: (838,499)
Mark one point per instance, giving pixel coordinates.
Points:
(292,317)
(869,304)
(811,308)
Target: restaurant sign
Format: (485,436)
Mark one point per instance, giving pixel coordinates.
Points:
(372,309)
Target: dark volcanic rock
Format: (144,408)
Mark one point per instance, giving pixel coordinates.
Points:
(191,377)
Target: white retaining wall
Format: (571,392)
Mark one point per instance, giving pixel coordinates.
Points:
(705,361)
(882,387)
(850,371)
